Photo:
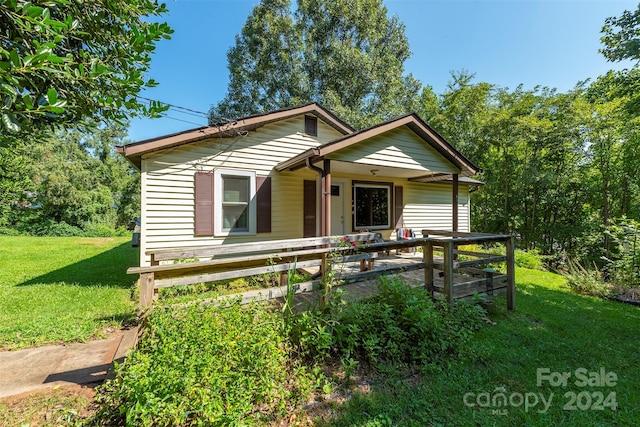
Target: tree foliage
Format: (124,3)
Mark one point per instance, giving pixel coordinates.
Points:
(68,177)
(14,183)
(560,169)
(621,36)
(62,61)
(347,55)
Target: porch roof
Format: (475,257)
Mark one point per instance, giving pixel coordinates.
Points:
(411,121)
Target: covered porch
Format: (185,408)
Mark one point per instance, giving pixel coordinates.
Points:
(366,180)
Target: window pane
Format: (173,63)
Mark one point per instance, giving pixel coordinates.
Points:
(235,217)
(235,203)
(372,206)
(236,189)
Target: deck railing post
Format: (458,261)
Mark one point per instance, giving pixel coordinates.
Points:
(146,290)
(511,273)
(324,268)
(284,278)
(448,271)
(427,258)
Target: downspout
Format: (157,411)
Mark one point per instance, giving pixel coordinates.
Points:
(454,203)
(326,218)
(314,167)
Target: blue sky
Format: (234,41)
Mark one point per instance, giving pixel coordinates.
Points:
(507,43)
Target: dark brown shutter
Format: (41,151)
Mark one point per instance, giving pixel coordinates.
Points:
(204,204)
(309,200)
(398,205)
(263,203)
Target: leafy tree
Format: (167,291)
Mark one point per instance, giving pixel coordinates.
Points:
(621,37)
(621,84)
(72,177)
(463,109)
(15,183)
(346,55)
(63,61)
(533,156)
(265,63)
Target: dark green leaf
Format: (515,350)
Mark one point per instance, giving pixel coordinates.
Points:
(35,11)
(28,101)
(52,96)
(10,123)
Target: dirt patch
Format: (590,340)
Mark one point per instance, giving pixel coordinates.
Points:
(57,406)
(97,241)
(630,294)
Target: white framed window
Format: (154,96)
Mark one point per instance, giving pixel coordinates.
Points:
(371,205)
(234,202)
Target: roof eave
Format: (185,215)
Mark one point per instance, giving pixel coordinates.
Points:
(414,122)
(230,129)
(136,161)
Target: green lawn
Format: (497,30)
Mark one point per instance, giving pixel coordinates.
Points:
(63,289)
(67,289)
(552,328)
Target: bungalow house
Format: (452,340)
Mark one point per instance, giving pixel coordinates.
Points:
(297,172)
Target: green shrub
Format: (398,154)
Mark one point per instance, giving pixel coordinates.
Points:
(529,259)
(203,365)
(399,324)
(54,229)
(5,231)
(404,324)
(101,230)
(586,282)
(311,333)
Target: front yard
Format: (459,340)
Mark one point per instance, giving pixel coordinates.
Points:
(553,330)
(559,359)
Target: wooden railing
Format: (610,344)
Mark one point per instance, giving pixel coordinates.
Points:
(241,260)
(448,242)
(250,259)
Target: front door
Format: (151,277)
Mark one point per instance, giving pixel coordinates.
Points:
(338,219)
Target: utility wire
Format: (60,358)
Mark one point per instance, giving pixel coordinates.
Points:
(181,120)
(174,106)
(191,112)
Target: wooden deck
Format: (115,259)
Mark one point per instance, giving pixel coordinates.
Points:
(353,258)
(359,285)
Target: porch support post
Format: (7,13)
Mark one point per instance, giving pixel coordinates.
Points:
(511,273)
(427,257)
(448,272)
(454,203)
(325,217)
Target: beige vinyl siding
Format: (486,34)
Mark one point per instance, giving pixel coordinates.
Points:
(400,148)
(168,182)
(429,206)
